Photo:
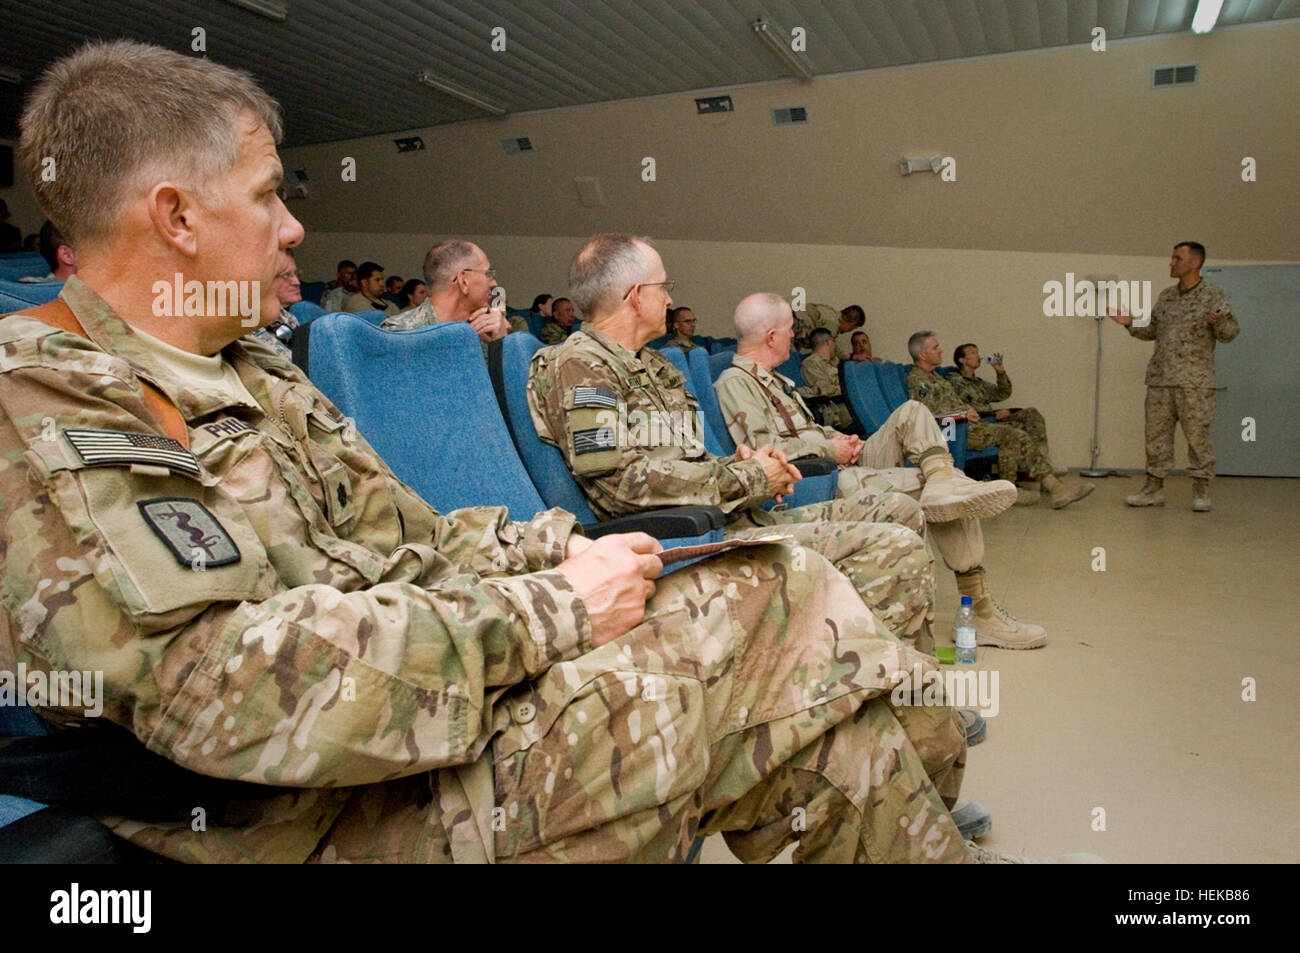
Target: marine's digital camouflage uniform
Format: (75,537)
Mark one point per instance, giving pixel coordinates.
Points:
(578,390)
(1018,452)
(982,395)
(746,391)
(821,378)
(1180,374)
(274,606)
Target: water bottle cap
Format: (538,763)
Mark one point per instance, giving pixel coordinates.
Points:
(965,600)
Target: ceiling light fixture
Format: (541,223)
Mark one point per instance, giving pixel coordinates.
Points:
(773,40)
(271,9)
(428,78)
(1206,15)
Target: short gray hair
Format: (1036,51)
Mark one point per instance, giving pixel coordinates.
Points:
(445,260)
(916,343)
(757,314)
(114,117)
(603,270)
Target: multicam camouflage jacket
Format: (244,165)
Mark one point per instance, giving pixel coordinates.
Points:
(978,392)
(821,378)
(937,393)
(629,431)
(1185,339)
(269,604)
(747,392)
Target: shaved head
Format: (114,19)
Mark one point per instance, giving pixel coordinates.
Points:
(758,314)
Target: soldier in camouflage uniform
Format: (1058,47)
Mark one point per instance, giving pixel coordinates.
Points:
(268,603)
(981,395)
(821,378)
(807,321)
(279,334)
(460,281)
(630,434)
(561,324)
(762,407)
(1017,451)
(1187,321)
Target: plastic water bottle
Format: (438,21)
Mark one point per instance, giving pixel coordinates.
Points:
(963,633)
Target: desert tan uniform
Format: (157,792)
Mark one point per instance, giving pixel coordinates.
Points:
(268,603)
(358,302)
(762,407)
(821,378)
(1180,375)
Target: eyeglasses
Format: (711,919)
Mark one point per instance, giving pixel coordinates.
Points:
(668,285)
(487,272)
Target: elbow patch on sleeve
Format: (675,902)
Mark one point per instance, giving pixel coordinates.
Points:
(591,417)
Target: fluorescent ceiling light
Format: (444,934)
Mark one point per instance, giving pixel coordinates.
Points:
(271,9)
(428,78)
(1207,14)
(781,49)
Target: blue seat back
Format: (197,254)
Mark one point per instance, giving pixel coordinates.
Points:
(716,439)
(423,399)
(718,345)
(893,381)
(376,317)
(306,311)
(791,368)
(21,295)
(719,362)
(861,386)
(544,463)
(312,291)
(22,264)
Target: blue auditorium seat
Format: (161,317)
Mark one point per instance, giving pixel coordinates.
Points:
(306,311)
(22,264)
(21,295)
(509,360)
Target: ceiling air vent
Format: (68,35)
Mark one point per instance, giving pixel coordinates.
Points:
(790,114)
(1163,76)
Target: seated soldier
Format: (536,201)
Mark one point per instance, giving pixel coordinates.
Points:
(862,349)
(852,319)
(681,329)
(762,407)
(460,280)
(338,290)
(1018,452)
(561,323)
(807,321)
(269,604)
(630,434)
(414,292)
(370,297)
(393,290)
(288,290)
(57,253)
(821,378)
(982,395)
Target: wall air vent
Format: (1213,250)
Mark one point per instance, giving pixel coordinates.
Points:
(1163,76)
(790,114)
(515,146)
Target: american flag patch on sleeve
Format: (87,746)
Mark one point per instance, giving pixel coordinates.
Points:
(594,440)
(110,447)
(594,397)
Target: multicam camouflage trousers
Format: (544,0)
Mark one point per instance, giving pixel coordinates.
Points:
(755,702)
(1018,451)
(1194,407)
(874,538)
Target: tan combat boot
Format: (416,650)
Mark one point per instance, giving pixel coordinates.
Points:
(1200,496)
(949,494)
(1063,494)
(994,626)
(1152,494)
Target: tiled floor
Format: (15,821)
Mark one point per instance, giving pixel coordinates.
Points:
(1135,705)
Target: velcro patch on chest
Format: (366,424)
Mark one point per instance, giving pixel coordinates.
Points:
(594,397)
(116,447)
(190,531)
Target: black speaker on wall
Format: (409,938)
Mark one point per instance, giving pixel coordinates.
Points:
(6,167)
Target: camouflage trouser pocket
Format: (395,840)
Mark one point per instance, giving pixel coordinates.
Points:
(614,743)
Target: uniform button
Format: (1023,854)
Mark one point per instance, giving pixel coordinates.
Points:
(743,715)
(524,713)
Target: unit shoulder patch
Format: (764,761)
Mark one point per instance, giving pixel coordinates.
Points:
(190,531)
